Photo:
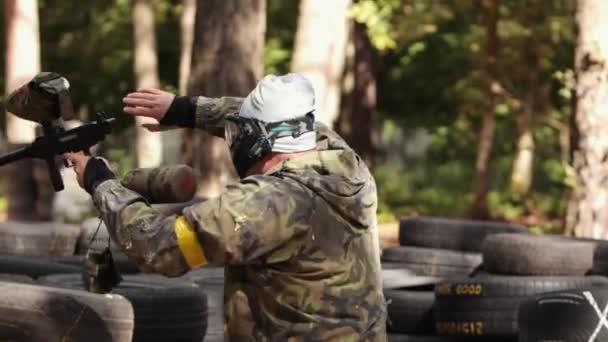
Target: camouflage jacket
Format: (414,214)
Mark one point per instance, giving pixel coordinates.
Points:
(299,242)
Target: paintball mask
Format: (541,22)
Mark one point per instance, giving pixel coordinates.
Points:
(251,139)
(43,99)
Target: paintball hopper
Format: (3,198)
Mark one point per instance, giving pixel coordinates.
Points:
(43,99)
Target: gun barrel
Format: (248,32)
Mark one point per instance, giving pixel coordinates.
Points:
(14,156)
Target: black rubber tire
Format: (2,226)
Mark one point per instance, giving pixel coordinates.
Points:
(523,254)
(410,312)
(33,266)
(16,278)
(433,262)
(123,263)
(600,259)
(388,265)
(600,255)
(487,305)
(39,314)
(415,338)
(165,309)
(564,316)
(448,233)
(38,238)
(405,279)
(211,280)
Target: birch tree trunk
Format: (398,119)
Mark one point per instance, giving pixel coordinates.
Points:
(588,206)
(319,52)
(22,63)
(523,163)
(227,60)
(186,38)
(172,139)
(486,136)
(149,147)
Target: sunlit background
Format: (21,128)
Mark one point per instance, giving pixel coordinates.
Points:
(461,108)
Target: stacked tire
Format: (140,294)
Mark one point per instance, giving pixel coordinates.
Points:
(575,313)
(30,312)
(42,296)
(517,268)
(439,248)
(164,309)
(37,313)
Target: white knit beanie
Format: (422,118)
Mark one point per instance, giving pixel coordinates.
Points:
(280,98)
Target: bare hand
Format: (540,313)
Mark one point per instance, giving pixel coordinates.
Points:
(148,102)
(79,162)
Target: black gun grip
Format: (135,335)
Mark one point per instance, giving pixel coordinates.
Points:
(54,173)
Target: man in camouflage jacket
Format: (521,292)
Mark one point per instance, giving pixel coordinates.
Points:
(297,234)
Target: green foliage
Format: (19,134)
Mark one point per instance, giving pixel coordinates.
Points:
(433,78)
(432,90)
(282,17)
(376,15)
(93,46)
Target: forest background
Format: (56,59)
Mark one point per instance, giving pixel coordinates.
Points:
(463,108)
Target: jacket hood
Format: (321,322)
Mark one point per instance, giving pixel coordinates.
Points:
(338,175)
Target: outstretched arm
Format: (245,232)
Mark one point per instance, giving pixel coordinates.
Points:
(246,222)
(183,111)
(145,235)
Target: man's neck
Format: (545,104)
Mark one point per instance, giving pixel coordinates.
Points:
(272,159)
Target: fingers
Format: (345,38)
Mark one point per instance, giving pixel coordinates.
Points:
(148,102)
(78,162)
(141,95)
(140,111)
(138,102)
(150,91)
(74,156)
(140,105)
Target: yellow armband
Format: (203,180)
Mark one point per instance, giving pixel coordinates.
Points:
(188,243)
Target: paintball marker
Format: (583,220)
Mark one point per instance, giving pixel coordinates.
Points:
(46,100)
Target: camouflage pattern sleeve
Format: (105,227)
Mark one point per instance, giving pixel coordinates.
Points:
(145,235)
(210,112)
(252,218)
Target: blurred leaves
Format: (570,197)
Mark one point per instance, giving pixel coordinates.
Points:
(282,18)
(432,78)
(431,90)
(377,15)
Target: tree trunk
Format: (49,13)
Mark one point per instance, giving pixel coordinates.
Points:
(145,64)
(186,39)
(22,63)
(227,60)
(319,51)
(523,163)
(588,206)
(486,136)
(172,139)
(356,120)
